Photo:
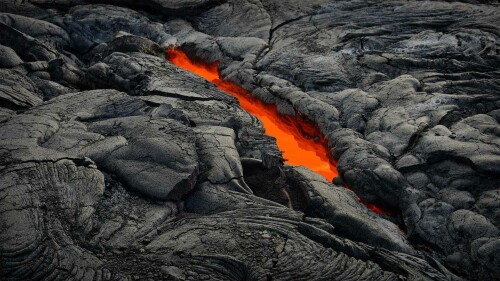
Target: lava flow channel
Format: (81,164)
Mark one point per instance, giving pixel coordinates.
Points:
(299,140)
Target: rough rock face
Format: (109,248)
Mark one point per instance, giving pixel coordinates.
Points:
(117,165)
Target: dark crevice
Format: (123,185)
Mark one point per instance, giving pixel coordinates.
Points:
(267,183)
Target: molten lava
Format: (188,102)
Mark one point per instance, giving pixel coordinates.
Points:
(298,139)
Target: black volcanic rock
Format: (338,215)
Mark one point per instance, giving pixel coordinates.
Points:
(116,164)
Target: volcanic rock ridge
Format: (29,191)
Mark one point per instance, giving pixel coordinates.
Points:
(118,164)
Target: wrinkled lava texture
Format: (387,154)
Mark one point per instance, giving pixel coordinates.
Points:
(299,140)
(249,140)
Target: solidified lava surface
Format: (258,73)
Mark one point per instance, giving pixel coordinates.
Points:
(299,140)
(218,163)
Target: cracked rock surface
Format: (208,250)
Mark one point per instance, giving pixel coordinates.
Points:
(116,164)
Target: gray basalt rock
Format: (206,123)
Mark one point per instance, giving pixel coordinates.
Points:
(165,149)
(340,207)
(142,74)
(220,161)
(487,204)
(46,32)
(27,47)
(190,7)
(353,106)
(124,43)
(366,168)
(93,24)
(118,165)
(236,25)
(9,58)
(17,91)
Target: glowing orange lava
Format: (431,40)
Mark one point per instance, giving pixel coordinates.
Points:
(299,140)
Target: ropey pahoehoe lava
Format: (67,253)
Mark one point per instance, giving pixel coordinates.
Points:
(250,140)
(300,140)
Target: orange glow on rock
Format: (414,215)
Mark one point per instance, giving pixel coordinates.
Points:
(298,139)
(370,206)
(374,208)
